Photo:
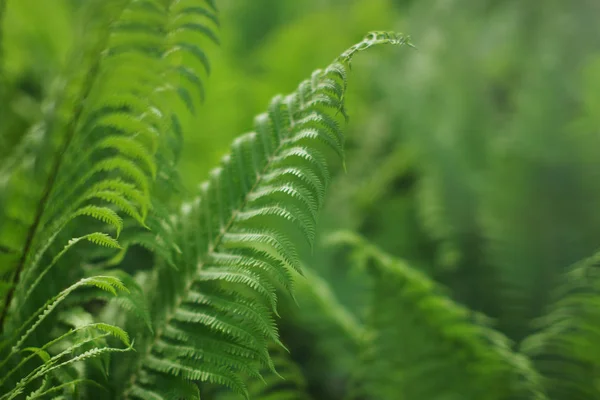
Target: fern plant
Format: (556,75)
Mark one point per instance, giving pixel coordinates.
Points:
(116,282)
(89,182)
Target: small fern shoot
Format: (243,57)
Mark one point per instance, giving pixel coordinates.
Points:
(48,367)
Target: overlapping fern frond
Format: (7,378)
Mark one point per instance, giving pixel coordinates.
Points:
(116,124)
(238,241)
(111,134)
(52,367)
(417,334)
(566,347)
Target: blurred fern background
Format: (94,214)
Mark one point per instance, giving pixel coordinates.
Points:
(474,158)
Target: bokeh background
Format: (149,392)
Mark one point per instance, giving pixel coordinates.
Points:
(475,157)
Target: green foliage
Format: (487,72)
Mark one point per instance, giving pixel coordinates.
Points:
(470,165)
(436,340)
(84,341)
(565,348)
(322,334)
(99,166)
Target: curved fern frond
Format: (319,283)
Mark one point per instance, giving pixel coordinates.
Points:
(417,334)
(565,349)
(238,240)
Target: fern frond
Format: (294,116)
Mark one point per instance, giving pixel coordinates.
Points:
(238,239)
(113,133)
(37,163)
(417,334)
(565,348)
(107,283)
